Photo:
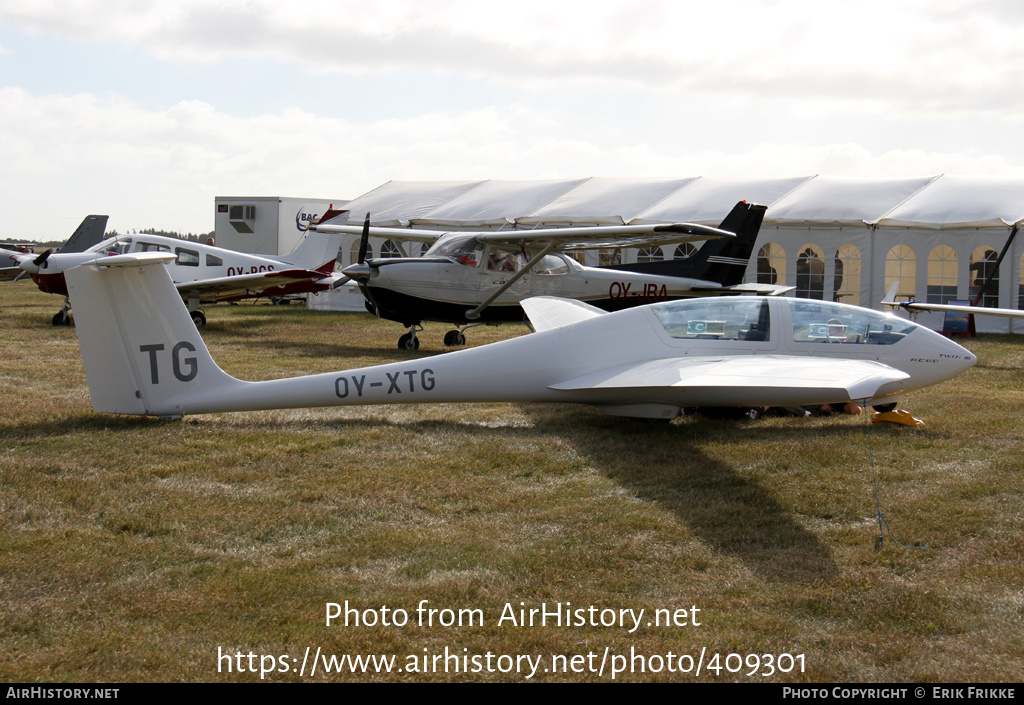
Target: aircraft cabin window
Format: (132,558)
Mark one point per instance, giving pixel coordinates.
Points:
(725,318)
(143,246)
(214,261)
(500,261)
(186,258)
(826,322)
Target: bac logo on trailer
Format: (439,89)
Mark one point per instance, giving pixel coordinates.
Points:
(303,219)
(184,368)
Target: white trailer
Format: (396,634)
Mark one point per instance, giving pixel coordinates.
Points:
(266,225)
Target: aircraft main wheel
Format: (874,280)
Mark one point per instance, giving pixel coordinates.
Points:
(408,342)
(885,407)
(454,338)
(61,318)
(199,318)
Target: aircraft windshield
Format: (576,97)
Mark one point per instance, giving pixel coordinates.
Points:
(116,245)
(720,318)
(825,322)
(464,250)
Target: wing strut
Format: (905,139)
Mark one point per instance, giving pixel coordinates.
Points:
(474,314)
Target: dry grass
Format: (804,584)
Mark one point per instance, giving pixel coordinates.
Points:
(131,549)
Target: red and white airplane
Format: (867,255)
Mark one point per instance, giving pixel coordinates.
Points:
(204,274)
(89,233)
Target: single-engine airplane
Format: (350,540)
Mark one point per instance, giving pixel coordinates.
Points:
(143,356)
(204,274)
(87,234)
(469,278)
(915,307)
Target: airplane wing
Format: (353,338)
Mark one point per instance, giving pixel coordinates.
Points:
(589,238)
(890,300)
(579,238)
(733,380)
(277,283)
(10,273)
(983,310)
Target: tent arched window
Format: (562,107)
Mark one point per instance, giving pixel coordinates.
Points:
(942,266)
(983,268)
(901,266)
(810,273)
(771,264)
(846,285)
(684,250)
(390,249)
(649,254)
(1020,285)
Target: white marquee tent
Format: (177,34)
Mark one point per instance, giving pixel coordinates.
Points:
(841,239)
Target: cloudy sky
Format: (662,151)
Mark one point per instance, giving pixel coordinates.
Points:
(148,110)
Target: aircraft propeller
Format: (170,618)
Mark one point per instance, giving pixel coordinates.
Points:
(364,240)
(41,259)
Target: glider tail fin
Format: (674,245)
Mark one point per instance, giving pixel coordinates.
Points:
(141,351)
(722,260)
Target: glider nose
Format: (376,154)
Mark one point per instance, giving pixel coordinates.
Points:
(963,357)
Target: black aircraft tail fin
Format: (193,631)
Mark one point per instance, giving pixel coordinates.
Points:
(722,260)
(89,233)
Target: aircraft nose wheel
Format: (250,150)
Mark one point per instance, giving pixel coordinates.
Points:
(61,318)
(409,341)
(199,318)
(454,338)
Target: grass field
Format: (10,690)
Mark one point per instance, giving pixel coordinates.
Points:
(140,550)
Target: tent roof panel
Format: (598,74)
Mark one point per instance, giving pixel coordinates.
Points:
(930,202)
(397,203)
(496,203)
(605,201)
(827,200)
(961,202)
(708,200)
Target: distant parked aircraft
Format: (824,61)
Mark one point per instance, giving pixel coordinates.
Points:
(468,278)
(204,274)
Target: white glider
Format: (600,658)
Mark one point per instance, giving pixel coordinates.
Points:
(143,355)
(917,306)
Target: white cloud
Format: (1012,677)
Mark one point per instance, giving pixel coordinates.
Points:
(81,154)
(950,54)
(566,89)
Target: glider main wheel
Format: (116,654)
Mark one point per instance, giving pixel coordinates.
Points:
(61,318)
(199,318)
(454,338)
(408,342)
(885,407)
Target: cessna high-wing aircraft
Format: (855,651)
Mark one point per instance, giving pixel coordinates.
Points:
(142,355)
(468,278)
(204,274)
(85,236)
